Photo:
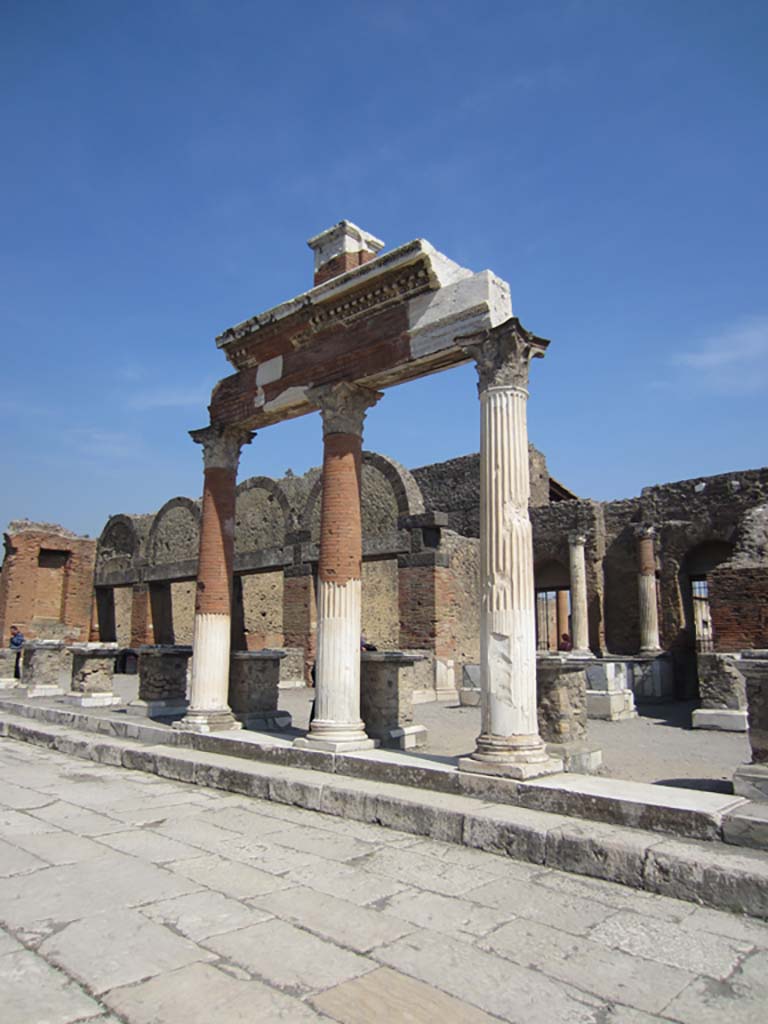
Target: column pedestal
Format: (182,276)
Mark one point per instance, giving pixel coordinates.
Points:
(92,673)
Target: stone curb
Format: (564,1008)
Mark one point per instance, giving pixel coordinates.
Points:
(701,872)
(682,813)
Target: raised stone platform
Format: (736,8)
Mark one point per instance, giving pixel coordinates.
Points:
(521,820)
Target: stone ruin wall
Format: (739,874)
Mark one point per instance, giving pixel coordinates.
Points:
(277,535)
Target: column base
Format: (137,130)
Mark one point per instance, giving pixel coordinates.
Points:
(511,770)
(93,700)
(44,690)
(581,655)
(512,757)
(158,708)
(650,652)
(577,756)
(217,720)
(335,737)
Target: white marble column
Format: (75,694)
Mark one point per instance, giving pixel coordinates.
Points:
(208,702)
(337,725)
(647,591)
(509,743)
(579,616)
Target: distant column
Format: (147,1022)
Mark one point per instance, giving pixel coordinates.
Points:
(509,743)
(141,616)
(563,612)
(337,724)
(647,591)
(208,707)
(579,617)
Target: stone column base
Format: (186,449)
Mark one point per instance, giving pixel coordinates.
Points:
(9,684)
(405,737)
(611,705)
(723,719)
(583,655)
(217,720)
(43,690)
(158,708)
(310,742)
(512,769)
(265,721)
(751,781)
(92,699)
(576,756)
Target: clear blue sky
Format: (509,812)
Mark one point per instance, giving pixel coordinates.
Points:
(163,164)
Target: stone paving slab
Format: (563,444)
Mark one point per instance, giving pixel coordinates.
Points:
(408,929)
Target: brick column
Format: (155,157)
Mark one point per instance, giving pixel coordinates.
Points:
(337,724)
(646,586)
(141,616)
(300,603)
(208,708)
(509,743)
(579,614)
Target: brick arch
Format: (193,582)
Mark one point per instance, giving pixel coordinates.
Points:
(183,552)
(405,490)
(274,527)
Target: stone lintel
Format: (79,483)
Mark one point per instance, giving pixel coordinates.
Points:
(422,519)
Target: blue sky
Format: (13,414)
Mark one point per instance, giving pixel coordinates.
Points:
(164,163)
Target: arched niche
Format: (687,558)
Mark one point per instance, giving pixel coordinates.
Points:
(262,515)
(388,491)
(175,533)
(118,545)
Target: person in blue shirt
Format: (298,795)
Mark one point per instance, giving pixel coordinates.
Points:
(17,642)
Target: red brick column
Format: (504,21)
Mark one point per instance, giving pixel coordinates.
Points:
(208,707)
(337,724)
(142,631)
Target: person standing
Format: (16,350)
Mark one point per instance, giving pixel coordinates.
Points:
(17,642)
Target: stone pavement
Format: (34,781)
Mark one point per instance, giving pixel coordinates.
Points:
(127,897)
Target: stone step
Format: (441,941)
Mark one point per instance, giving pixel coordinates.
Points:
(688,813)
(704,872)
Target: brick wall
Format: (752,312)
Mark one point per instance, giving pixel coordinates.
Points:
(46,582)
(738,601)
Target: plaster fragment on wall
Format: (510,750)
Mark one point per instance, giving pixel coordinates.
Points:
(269,371)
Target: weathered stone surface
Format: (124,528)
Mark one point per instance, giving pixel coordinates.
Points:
(385,994)
(721,682)
(92,669)
(34,991)
(386,692)
(196,995)
(755,670)
(163,673)
(562,699)
(288,957)
(254,678)
(747,826)
(46,665)
(119,948)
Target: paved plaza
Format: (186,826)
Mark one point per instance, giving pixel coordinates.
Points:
(126,897)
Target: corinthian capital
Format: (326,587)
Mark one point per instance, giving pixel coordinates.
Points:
(502,354)
(343,406)
(221,445)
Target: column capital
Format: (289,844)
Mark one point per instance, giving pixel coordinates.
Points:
(577,539)
(503,354)
(644,531)
(343,406)
(221,445)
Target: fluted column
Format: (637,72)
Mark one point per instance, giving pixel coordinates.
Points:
(337,724)
(579,616)
(647,593)
(509,743)
(208,707)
